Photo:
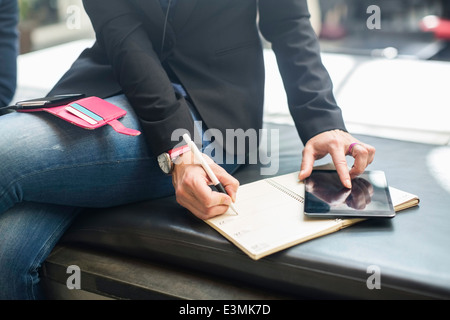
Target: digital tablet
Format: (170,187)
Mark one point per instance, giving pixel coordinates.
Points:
(369,197)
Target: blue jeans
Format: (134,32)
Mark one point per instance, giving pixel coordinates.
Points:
(49,170)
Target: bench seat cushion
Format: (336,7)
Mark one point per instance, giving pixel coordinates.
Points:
(410,250)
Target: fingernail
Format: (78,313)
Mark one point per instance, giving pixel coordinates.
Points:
(348,183)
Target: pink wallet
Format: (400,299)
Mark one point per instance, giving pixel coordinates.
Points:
(90,113)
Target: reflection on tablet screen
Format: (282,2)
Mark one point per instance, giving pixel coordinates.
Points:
(369,196)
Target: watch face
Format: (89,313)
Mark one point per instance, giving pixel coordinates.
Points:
(165,163)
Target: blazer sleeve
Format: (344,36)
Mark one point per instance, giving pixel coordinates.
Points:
(137,68)
(307,83)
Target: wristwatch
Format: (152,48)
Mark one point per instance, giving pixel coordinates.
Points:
(166,160)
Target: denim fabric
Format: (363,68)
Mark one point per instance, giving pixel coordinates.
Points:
(49,170)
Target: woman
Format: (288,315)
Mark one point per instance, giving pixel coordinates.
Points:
(170,65)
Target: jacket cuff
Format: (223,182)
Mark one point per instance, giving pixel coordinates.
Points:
(167,134)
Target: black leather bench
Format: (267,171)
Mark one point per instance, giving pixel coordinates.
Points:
(158,250)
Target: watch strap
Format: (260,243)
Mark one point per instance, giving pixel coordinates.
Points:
(176,152)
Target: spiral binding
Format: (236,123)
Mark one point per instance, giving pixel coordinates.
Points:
(285,190)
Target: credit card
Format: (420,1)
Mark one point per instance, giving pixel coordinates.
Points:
(80,115)
(86,111)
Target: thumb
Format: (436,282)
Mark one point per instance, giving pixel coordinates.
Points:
(306,165)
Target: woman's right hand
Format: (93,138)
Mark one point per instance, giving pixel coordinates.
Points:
(193,191)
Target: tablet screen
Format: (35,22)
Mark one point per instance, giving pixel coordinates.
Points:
(325,196)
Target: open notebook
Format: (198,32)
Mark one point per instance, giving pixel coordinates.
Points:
(271,216)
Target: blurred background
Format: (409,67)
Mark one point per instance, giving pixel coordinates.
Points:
(408,28)
(46,23)
(389,61)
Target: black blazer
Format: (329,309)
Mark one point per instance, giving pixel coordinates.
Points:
(213,49)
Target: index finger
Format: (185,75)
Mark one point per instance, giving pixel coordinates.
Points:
(230,183)
(341,166)
(206,197)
